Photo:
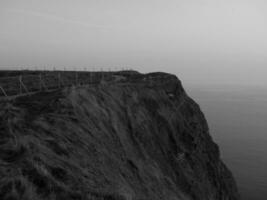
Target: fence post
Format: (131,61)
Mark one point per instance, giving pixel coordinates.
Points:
(76,78)
(102,75)
(58,80)
(40,82)
(22,85)
(4,92)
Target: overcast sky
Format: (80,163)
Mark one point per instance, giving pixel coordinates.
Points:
(202,41)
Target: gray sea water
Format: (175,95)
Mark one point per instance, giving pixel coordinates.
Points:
(237,118)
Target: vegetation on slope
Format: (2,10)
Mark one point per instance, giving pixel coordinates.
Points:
(142,140)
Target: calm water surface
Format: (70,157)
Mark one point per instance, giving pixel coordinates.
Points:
(237,118)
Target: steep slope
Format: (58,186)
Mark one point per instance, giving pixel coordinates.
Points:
(143,139)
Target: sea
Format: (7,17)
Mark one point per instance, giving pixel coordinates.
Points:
(237,118)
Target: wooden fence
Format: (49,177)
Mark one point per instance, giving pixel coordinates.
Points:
(25,84)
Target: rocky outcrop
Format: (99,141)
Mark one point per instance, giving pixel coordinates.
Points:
(141,138)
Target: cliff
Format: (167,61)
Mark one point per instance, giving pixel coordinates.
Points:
(138,138)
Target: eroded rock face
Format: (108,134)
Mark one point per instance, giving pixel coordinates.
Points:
(142,139)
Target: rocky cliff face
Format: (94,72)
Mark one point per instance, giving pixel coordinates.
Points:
(144,139)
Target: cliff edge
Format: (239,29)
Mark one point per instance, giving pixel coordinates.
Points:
(138,137)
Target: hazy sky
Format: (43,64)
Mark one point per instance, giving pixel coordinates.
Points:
(202,41)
